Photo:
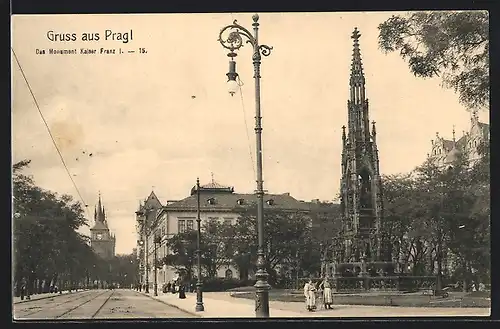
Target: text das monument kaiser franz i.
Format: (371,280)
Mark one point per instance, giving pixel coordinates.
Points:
(62,41)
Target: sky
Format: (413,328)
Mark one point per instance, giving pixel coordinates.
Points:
(160,119)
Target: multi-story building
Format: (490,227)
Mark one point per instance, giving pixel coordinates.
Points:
(217,202)
(101,240)
(444,151)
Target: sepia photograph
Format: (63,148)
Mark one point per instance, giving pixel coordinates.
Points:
(250,165)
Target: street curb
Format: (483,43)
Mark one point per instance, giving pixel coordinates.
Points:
(34,300)
(171,305)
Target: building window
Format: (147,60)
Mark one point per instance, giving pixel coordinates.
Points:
(240,202)
(211,201)
(162,230)
(228,221)
(270,202)
(181,226)
(213,218)
(229,274)
(190,223)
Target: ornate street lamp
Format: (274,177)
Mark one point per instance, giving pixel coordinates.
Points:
(144,213)
(234,41)
(157,241)
(199,284)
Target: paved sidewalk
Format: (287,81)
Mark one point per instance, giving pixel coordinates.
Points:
(17,300)
(222,305)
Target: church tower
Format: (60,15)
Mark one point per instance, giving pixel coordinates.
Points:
(101,240)
(361,192)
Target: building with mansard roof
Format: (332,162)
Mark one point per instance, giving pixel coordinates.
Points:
(102,241)
(445,151)
(217,202)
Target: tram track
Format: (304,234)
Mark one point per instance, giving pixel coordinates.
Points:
(86,302)
(84,294)
(99,304)
(105,302)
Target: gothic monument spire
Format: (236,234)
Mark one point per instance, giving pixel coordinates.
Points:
(361,194)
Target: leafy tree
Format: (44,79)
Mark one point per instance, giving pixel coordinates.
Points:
(287,235)
(400,207)
(124,269)
(325,232)
(217,245)
(183,256)
(47,247)
(451,44)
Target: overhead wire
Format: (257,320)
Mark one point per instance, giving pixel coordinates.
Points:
(50,134)
(240,84)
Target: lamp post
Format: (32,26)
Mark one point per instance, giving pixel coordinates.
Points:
(199,283)
(157,241)
(234,41)
(144,213)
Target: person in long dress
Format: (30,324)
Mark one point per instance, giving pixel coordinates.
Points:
(309,290)
(327,293)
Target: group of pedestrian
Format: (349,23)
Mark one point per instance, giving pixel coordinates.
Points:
(325,293)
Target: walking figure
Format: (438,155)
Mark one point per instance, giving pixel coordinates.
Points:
(309,293)
(327,293)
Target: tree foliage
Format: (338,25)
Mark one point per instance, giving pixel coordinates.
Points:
(451,45)
(437,209)
(47,245)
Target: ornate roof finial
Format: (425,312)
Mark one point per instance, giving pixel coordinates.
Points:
(475,116)
(374,131)
(212,174)
(355,34)
(453,133)
(356,66)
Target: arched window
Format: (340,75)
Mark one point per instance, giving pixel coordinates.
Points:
(229,274)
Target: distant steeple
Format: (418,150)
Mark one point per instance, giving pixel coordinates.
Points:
(454,141)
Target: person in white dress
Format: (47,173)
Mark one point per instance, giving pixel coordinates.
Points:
(327,293)
(309,291)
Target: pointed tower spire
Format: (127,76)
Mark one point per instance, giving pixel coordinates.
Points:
(95,213)
(359,123)
(99,206)
(361,187)
(454,141)
(343,134)
(357,75)
(212,174)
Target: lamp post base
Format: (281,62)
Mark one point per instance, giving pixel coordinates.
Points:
(262,300)
(261,291)
(199,298)
(199,307)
